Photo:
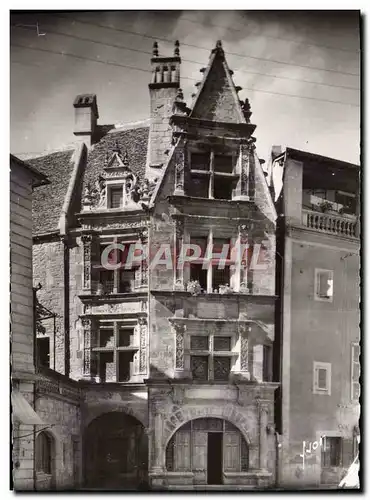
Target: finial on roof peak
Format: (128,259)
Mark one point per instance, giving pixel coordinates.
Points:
(218,49)
(125,158)
(155,49)
(176,51)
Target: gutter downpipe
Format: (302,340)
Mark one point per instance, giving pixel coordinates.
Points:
(63,229)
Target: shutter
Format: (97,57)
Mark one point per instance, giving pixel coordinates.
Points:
(199,450)
(258,362)
(231,451)
(347,452)
(182,451)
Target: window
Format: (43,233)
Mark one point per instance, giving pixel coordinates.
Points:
(323,285)
(115,197)
(216,261)
(331,452)
(322,378)
(43,351)
(120,280)
(207,362)
(267,363)
(355,371)
(43,453)
(346,202)
(212,176)
(114,351)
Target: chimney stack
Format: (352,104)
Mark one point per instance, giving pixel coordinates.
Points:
(86,118)
(163,88)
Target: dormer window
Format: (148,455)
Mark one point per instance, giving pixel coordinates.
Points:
(115,197)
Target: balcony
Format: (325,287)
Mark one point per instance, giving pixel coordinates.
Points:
(330,224)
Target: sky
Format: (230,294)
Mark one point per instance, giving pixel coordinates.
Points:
(300,71)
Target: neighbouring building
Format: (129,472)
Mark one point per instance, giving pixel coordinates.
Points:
(318,322)
(45,405)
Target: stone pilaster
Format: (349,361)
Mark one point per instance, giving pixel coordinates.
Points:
(88,361)
(245,189)
(262,410)
(86,282)
(178,246)
(180,164)
(179,332)
(143,334)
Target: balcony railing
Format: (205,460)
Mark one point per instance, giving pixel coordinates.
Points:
(329,223)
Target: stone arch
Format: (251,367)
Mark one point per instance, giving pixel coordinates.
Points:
(115,450)
(181,416)
(94,413)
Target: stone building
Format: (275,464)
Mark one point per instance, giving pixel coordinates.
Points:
(317,322)
(172,363)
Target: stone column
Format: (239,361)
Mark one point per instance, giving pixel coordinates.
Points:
(158,457)
(141,275)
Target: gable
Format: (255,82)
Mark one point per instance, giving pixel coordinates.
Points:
(217,99)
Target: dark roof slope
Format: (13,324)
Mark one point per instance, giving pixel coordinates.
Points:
(38,179)
(47,201)
(133,141)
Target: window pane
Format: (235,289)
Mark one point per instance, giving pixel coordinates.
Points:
(244,455)
(116,197)
(125,337)
(220,277)
(107,281)
(221,368)
(222,188)
(199,367)
(106,337)
(267,363)
(125,360)
(325,285)
(222,343)
(170,455)
(107,368)
(43,453)
(200,161)
(43,351)
(321,378)
(199,187)
(223,163)
(198,343)
(198,274)
(199,242)
(221,248)
(127,281)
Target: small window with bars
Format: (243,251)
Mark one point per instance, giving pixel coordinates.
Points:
(322,378)
(323,285)
(207,362)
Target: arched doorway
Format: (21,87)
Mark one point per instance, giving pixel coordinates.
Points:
(208,447)
(116,452)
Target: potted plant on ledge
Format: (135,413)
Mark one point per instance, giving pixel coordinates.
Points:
(194,287)
(326,206)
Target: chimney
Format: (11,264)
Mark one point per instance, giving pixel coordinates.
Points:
(163,89)
(86,117)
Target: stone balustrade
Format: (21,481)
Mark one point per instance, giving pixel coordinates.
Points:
(330,223)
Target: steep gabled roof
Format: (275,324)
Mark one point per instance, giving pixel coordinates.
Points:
(47,201)
(217,98)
